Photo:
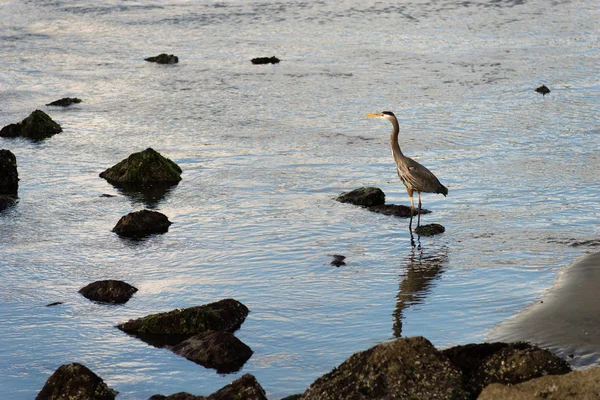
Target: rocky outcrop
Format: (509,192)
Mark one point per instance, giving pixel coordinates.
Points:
(364,196)
(142,223)
(244,388)
(75,382)
(9,176)
(37,126)
(64,102)
(429,229)
(108,291)
(409,368)
(170,328)
(163,58)
(215,349)
(143,168)
(265,60)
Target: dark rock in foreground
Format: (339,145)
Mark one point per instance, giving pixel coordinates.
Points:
(215,349)
(364,196)
(163,58)
(244,388)
(142,223)
(9,176)
(147,166)
(108,291)
(408,368)
(37,126)
(399,211)
(64,102)
(265,60)
(6,201)
(429,229)
(509,363)
(543,90)
(75,382)
(170,328)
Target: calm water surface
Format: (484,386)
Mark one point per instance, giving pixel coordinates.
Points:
(264,150)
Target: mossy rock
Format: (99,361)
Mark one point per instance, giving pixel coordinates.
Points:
(172,327)
(65,101)
(141,168)
(108,291)
(75,382)
(429,229)
(142,223)
(9,176)
(163,58)
(364,196)
(244,388)
(37,126)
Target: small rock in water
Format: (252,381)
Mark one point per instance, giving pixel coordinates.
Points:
(364,196)
(265,60)
(430,229)
(164,58)
(108,291)
(37,126)
(543,90)
(142,223)
(56,303)
(338,260)
(145,167)
(64,102)
(75,381)
(399,211)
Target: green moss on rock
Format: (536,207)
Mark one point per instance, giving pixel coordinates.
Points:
(75,382)
(37,126)
(364,196)
(147,166)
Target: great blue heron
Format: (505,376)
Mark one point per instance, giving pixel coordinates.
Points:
(415,177)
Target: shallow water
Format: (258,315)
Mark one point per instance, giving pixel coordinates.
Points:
(264,150)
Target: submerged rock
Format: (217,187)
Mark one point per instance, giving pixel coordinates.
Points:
(170,328)
(244,388)
(9,176)
(338,260)
(142,223)
(543,90)
(265,60)
(75,382)
(409,368)
(145,167)
(37,126)
(396,210)
(56,303)
(364,196)
(108,291)
(215,349)
(429,229)
(64,102)
(163,58)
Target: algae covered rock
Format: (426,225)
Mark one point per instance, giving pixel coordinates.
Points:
(145,167)
(244,388)
(163,58)
(215,349)
(37,126)
(142,223)
(408,368)
(429,229)
(108,291)
(364,196)
(170,328)
(65,101)
(75,382)
(9,176)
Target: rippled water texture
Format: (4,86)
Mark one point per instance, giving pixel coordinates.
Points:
(265,149)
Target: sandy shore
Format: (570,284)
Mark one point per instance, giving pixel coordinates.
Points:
(567,319)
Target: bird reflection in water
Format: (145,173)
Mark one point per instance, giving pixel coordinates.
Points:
(422,270)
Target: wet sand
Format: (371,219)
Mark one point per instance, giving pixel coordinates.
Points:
(567,319)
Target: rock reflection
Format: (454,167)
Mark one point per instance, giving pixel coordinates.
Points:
(148,195)
(422,269)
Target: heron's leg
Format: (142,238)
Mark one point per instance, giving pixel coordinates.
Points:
(419,216)
(412,207)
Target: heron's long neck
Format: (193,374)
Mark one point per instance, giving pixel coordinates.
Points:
(396,152)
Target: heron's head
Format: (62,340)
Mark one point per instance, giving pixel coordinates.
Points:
(384,115)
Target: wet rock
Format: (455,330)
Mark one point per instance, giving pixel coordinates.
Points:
(364,196)
(408,368)
(108,291)
(64,102)
(6,201)
(145,167)
(430,229)
(338,260)
(142,223)
(543,90)
(170,328)
(56,303)
(73,382)
(244,388)
(509,363)
(576,385)
(399,211)
(265,60)
(215,349)
(9,176)
(163,58)
(37,126)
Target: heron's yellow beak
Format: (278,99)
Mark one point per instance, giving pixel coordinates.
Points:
(374,115)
